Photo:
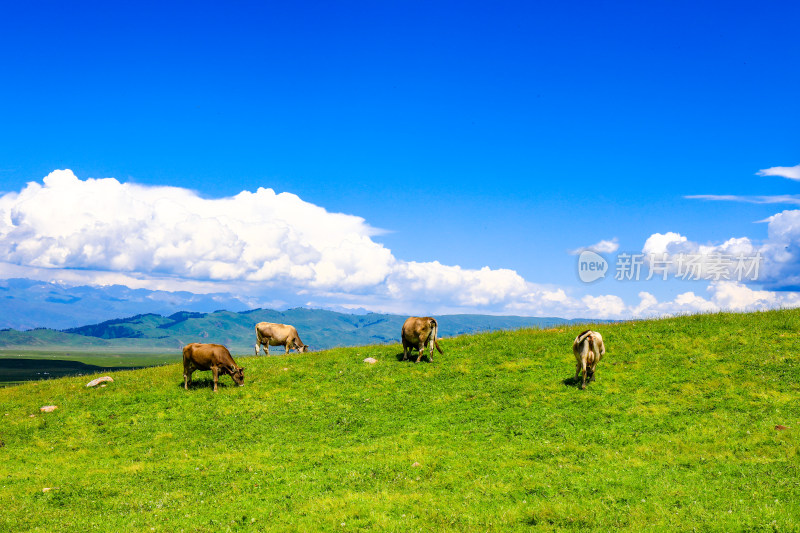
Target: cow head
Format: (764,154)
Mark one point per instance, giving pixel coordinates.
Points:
(237,373)
(303,348)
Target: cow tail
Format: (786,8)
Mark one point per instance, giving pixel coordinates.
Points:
(435,333)
(584,343)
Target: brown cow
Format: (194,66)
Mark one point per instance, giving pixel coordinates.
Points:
(214,357)
(588,349)
(269,334)
(419,332)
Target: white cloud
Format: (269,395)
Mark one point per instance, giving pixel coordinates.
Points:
(684,303)
(276,246)
(793,173)
(774,199)
(689,302)
(647,304)
(605,306)
(602,247)
(737,297)
(482,287)
(734,296)
(723,295)
(674,254)
(669,242)
(778,263)
(106,225)
(274,249)
(781,251)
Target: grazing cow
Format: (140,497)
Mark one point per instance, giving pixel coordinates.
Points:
(269,334)
(588,349)
(214,357)
(419,332)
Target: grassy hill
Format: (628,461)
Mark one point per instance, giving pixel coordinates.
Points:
(677,433)
(318,328)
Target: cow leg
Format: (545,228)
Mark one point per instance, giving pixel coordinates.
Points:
(187,377)
(583,369)
(577,370)
(215,372)
(430,354)
(421,350)
(405,351)
(258,349)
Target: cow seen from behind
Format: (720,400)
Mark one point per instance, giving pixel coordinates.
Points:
(588,349)
(419,332)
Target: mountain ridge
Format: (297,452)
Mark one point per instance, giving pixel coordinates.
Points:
(29,304)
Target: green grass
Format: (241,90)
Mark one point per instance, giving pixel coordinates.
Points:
(677,433)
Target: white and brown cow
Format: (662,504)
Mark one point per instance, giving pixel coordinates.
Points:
(419,332)
(588,349)
(269,334)
(214,357)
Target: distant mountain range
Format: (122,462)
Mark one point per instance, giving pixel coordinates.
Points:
(318,328)
(27,304)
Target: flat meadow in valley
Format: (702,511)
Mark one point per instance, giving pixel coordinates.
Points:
(677,433)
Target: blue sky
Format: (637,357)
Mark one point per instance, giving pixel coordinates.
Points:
(472,135)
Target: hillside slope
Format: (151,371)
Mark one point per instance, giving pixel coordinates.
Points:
(677,433)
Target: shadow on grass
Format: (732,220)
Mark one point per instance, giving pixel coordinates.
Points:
(576,382)
(412,358)
(19,370)
(205,383)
